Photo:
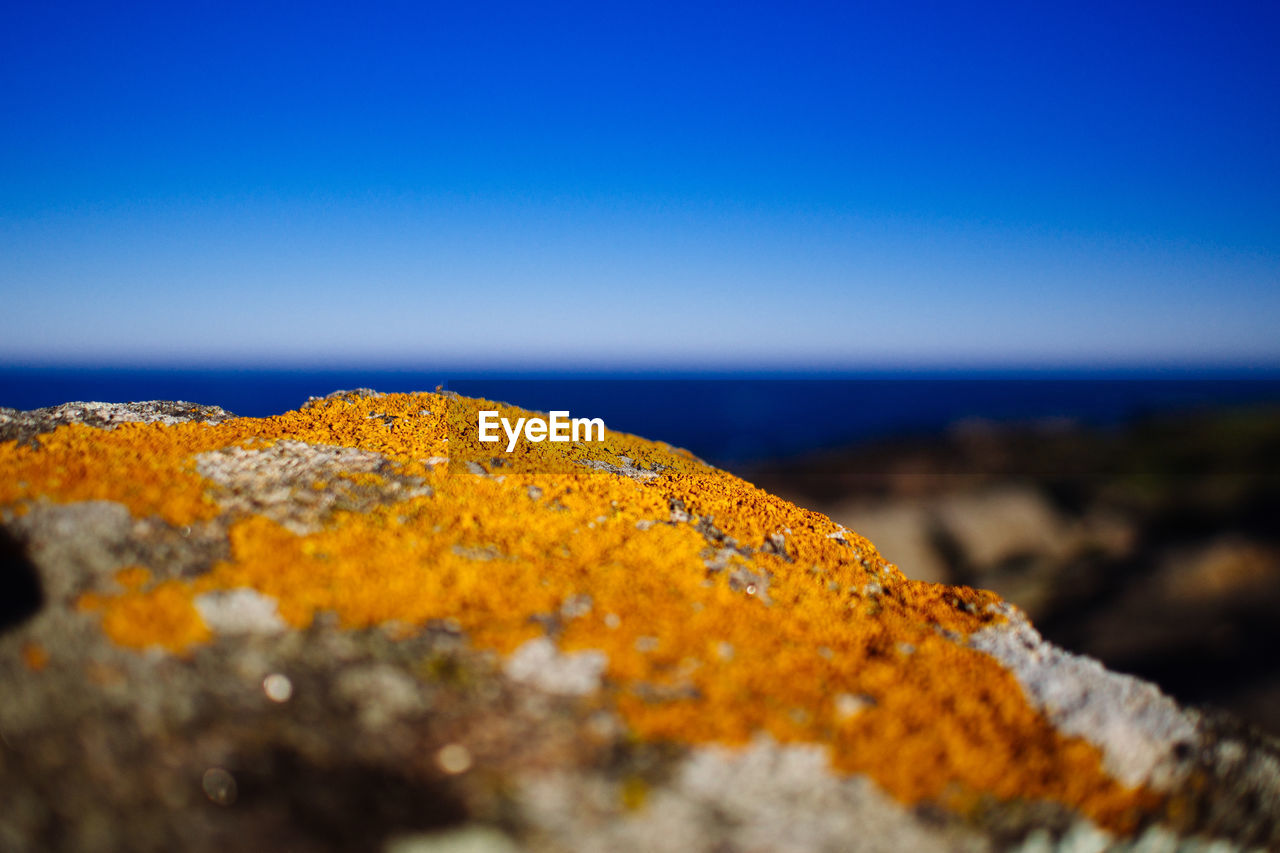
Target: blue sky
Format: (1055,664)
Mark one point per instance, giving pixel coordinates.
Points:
(835,185)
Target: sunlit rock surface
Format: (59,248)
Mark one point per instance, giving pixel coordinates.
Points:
(350,627)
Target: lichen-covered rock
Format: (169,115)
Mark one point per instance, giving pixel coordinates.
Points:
(352,627)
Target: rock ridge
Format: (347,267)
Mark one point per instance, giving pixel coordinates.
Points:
(249,628)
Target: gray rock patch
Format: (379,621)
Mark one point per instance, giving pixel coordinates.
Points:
(281,481)
(628,468)
(381,693)
(540,664)
(766,797)
(16,425)
(1136,726)
(239,611)
(1084,837)
(474,839)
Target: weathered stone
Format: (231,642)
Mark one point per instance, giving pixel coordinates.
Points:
(23,426)
(312,633)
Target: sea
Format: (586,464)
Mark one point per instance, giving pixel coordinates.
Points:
(728,418)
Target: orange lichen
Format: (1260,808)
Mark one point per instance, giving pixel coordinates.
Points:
(133,577)
(822,625)
(35,656)
(163,616)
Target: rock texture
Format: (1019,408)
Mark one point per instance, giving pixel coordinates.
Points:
(351,627)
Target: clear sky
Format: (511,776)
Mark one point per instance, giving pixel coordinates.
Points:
(837,185)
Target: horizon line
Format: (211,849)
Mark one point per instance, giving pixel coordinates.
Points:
(491,370)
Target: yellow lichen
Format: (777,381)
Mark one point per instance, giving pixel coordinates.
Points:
(164,616)
(35,656)
(693,656)
(133,577)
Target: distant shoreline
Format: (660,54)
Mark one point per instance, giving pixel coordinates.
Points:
(727,419)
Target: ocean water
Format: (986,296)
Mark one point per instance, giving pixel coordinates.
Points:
(724,418)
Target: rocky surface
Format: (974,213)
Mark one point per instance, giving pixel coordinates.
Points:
(347,628)
(23,426)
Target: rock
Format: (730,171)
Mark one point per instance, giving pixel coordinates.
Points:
(539,663)
(1225,571)
(22,426)
(1008,539)
(346,627)
(1130,720)
(238,611)
(1002,524)
(903,533)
